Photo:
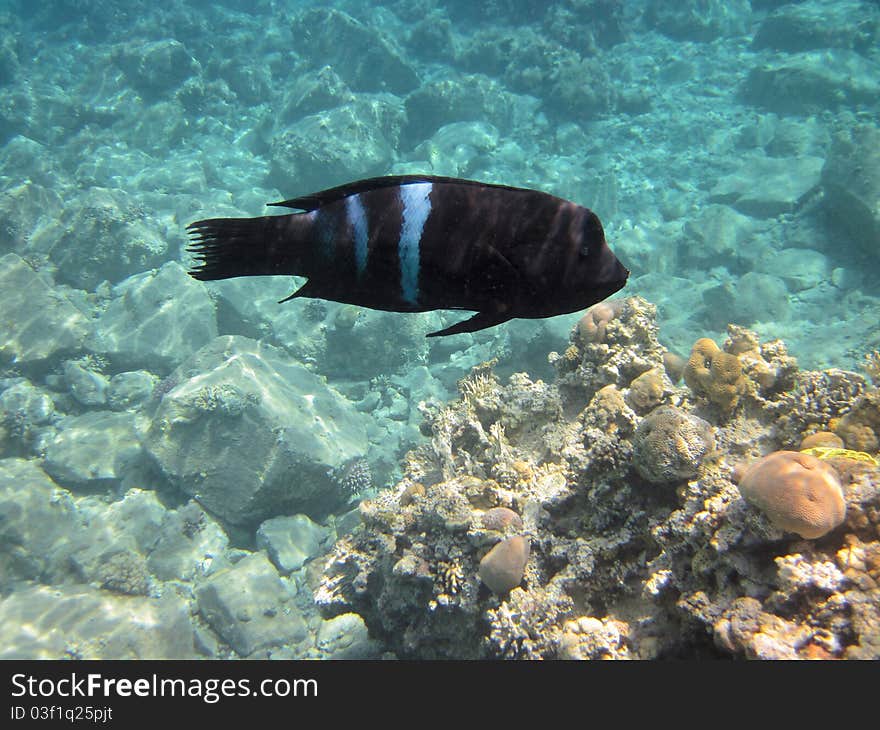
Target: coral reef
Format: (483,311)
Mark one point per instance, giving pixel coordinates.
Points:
(167,446)
(551,541)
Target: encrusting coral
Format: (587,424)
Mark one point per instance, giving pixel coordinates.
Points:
(607,564)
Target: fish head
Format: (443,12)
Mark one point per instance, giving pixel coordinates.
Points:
(593,272)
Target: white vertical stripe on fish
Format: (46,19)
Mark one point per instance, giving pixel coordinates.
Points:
(416,209)
(357,219)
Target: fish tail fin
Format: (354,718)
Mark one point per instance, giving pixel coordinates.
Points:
(228,247)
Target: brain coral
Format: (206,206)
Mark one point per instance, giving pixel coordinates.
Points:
(798,492)
(669,444)
(715,374)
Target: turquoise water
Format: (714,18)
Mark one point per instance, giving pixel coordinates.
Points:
(165,442)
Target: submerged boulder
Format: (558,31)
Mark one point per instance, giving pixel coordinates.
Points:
(252,434)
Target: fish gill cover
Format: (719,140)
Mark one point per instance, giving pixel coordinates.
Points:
(262,480)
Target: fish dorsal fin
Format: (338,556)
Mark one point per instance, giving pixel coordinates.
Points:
(316,200)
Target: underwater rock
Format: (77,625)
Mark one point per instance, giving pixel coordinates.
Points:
(250,607)
(40,326)
(669,445)
(94,450)
(311,93)
(851,182)
(9,66)
(811,82)
(253,434)
(39,525)
(79,622)
(155,68)
(754,297)
(698,20)
(440,102)
(535,63)
(187,544)
(385,342)
(360,54)
(719,234)
(156,319)
(798,493)
(765,187)
(88,387)
(456,148)
(129,389)
(799,268)
(24,411)
(812,26)
(336,145)
(291,541)
(430,37)
(24,206)
(101,234)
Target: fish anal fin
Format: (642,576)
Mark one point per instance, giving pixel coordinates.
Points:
(306,290)
(480,321)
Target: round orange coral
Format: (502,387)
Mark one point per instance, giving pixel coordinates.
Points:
(798,493)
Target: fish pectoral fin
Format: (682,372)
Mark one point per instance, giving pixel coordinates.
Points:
(480,321)
(306,290)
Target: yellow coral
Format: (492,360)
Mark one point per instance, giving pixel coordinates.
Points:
(829,452)
(715,374)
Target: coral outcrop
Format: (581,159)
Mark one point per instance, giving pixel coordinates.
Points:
(595,561)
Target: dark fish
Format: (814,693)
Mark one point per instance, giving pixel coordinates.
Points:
(414,243)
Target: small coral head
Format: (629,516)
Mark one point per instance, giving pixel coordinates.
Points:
(798,492)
